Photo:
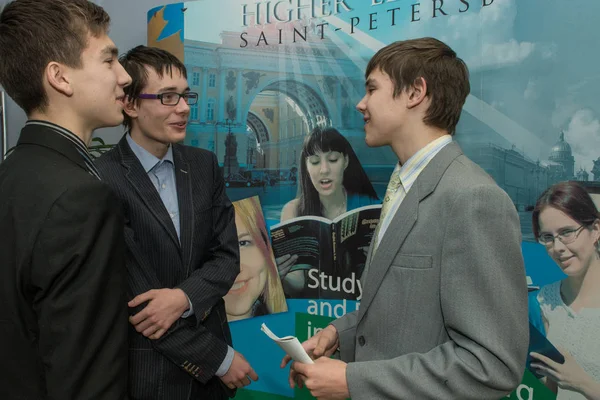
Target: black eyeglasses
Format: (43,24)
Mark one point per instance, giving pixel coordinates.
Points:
(566,236)
(172,98)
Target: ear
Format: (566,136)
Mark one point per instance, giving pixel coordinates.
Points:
(59,78)
(596,230)
(346,161)
(130,108)
(417,92)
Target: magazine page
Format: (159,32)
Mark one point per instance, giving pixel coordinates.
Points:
(301,247)
(352,235)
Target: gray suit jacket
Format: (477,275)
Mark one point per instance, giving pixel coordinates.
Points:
(444,310)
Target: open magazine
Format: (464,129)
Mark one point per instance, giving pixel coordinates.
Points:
(331,254)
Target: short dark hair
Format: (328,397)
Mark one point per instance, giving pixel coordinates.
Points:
(34,33)
(447,76)
(570,198)
(135,62)
(355,179)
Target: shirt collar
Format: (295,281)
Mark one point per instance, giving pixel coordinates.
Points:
(410,170)
(76,140)
(79,144)
(147,159)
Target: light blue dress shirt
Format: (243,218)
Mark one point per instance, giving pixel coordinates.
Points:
(162,175)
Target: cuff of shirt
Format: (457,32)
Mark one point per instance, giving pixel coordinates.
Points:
(226,362)
(190,311)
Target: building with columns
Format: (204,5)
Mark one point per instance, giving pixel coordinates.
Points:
(247,93)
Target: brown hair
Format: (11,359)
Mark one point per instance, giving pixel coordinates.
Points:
(355,179)
(135,62)
(447,76)
(570,198)
(34,33)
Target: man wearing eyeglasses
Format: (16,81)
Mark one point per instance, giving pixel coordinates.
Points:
(181,239)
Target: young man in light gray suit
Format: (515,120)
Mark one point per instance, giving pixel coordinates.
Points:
(444,310)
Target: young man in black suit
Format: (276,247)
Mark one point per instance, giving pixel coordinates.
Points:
(63,318)
(182,247)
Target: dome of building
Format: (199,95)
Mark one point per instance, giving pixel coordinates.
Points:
(561,151)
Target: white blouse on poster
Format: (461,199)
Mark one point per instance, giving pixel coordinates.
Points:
(576,332)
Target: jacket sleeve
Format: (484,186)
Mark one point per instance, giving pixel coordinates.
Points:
(78,269)
(484,306)
(346,329)
(190,345)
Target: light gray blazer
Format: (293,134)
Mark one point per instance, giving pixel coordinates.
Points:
(444,309)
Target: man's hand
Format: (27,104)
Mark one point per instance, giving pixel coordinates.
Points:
(326,378)
(164,307)
(324,343)
(240,372)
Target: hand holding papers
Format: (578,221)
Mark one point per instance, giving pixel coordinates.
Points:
(290,344)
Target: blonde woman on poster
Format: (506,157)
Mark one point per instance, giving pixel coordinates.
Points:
(566,222)
(257,289)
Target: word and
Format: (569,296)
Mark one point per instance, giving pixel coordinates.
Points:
(325,308)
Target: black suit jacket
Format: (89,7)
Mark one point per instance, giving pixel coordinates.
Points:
(63,318)
(182,364)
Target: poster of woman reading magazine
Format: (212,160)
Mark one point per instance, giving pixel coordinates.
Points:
(319,236)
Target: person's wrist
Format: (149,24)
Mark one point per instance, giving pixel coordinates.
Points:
(182,300)
(591,388)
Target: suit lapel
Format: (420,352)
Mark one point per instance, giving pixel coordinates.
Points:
(186,205)
(396,233)
(140,181)
(402,223)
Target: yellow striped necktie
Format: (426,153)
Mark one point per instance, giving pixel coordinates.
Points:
(394,191)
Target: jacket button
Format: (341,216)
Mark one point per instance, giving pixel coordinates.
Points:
(361,340)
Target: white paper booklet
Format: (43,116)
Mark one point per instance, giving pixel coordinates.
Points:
(290,344)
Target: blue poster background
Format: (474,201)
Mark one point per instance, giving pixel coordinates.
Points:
(269,72)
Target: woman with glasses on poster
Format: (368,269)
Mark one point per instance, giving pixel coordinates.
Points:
(332,182)
(566,222)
